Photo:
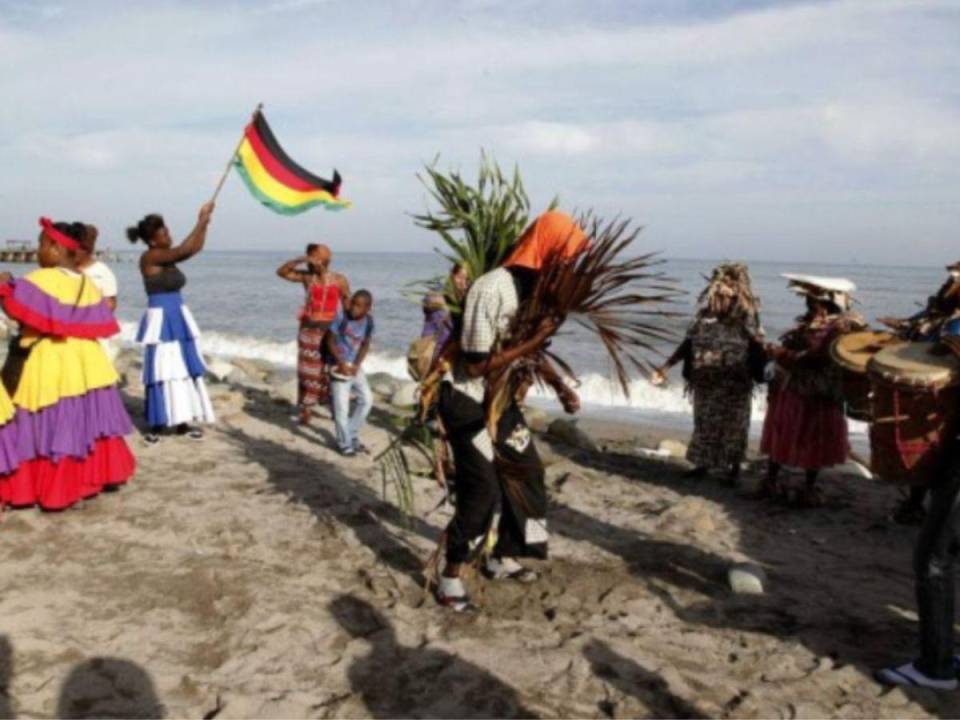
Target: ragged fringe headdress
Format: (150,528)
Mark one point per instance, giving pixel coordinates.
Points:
(729,293)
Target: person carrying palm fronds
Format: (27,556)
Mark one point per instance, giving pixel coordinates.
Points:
(498,470)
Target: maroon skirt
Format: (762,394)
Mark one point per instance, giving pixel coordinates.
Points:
(804,432)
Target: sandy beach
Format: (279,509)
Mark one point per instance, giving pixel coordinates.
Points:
(258,574)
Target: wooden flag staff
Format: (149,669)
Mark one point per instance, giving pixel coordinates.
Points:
(223,178)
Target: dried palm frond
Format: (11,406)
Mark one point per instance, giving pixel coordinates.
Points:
(396,468)
(619,299)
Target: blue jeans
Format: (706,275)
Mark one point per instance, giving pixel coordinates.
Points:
(348,424)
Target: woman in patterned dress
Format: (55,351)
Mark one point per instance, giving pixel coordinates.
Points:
(716,355)
(327,292)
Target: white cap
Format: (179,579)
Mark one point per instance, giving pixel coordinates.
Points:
(834,289)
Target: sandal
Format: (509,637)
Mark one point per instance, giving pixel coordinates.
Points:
(151,438)
(509,569)
(910,676)
(194,433)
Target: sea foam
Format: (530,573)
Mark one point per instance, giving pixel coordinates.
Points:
(596,391)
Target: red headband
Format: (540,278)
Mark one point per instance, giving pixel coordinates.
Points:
(58,237)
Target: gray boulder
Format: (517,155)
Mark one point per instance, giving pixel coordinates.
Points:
(673,448)
(383,385)
(220,369)
(405,396)
(537,420)
(254,368)
(567,432)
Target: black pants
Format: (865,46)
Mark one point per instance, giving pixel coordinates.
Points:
(934,557)
(503,473)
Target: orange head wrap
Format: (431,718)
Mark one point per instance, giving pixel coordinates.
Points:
(553,234)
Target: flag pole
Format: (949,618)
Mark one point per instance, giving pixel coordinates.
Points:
(226,171)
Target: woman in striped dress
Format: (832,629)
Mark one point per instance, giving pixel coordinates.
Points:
(70,419)
(173,368)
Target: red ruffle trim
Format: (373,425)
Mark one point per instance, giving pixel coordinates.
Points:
(57,328)
(58,485)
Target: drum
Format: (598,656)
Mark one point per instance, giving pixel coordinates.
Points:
(914,398)
(852,352)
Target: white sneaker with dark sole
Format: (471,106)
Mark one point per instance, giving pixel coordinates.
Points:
(509,569)
(453,595)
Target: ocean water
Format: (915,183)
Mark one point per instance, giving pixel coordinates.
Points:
(245,310)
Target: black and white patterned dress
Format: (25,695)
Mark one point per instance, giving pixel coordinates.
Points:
(721,389)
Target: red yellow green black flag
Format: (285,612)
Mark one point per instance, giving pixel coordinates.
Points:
(276,180)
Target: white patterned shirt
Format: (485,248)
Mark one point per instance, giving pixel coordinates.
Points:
(491,305)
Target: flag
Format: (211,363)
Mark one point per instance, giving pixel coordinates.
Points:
(276,180)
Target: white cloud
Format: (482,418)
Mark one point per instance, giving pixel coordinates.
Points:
(839,107)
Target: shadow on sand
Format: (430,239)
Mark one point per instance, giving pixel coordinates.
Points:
(399,681)
(809,555)
(96,688)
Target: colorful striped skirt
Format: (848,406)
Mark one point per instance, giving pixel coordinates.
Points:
(173,367)
(313,380)
(69,423)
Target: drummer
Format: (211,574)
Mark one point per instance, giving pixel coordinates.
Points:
(934,556)
(940,317)
(939,320)
(805,425)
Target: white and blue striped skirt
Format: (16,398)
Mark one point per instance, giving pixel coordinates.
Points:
(173,367)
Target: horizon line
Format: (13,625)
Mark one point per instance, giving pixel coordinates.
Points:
(848,263)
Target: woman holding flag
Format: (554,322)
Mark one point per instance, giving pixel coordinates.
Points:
(173,368)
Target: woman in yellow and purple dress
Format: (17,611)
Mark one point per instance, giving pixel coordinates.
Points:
(9,458)
(69,417)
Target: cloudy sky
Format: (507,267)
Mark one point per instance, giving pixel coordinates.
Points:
(741,129)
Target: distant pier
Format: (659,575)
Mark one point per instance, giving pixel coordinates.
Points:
(24,251)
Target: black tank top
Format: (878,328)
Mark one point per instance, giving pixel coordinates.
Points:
(170,279)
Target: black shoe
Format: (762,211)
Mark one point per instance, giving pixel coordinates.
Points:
(194,433)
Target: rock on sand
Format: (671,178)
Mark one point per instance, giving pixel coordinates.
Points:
(747,579)
(567,431)
(672,448)
(405,396)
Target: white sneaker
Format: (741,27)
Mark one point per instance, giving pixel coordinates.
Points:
(451,593)
(909,675)
(509,569)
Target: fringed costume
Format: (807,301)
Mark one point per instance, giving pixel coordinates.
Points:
(717,354)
